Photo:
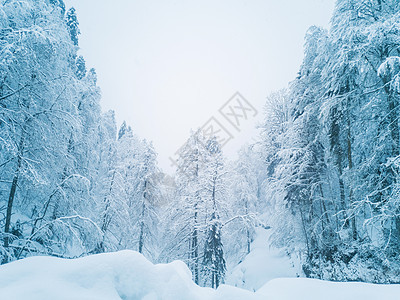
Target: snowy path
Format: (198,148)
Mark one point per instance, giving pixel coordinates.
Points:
(263,264)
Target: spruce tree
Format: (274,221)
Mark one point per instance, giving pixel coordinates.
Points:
(73,25)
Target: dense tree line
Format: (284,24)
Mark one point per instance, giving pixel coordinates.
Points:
(331,148)
(208,225)
(69,186)
(72,184)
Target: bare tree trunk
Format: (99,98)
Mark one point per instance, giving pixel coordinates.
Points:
(247,230)
(195,238)
(303,223)
(141,234)
(350,161)
(393,125)
(12,191)
(337,154)
(248,241)
(195,249)
(106,217)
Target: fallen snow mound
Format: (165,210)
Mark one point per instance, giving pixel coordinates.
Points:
(124,275)
(128,275)
(314,289)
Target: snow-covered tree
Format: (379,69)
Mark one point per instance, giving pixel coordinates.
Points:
(73,25)
(188,210)
(331,156)
(214,192)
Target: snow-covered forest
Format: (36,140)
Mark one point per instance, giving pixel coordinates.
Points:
(322,179)
(331,148)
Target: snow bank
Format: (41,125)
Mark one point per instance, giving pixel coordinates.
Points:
(128,275)
(314,289)
(121,275)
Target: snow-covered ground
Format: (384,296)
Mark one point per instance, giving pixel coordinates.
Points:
(128,275)
(314,289)
(262,264)
(120,275)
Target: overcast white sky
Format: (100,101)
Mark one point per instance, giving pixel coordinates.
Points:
(168,66)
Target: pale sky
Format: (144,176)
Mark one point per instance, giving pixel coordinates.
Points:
(167,66)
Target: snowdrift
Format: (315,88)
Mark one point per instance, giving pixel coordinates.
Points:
(124,275)
(128,275)
(314,289)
